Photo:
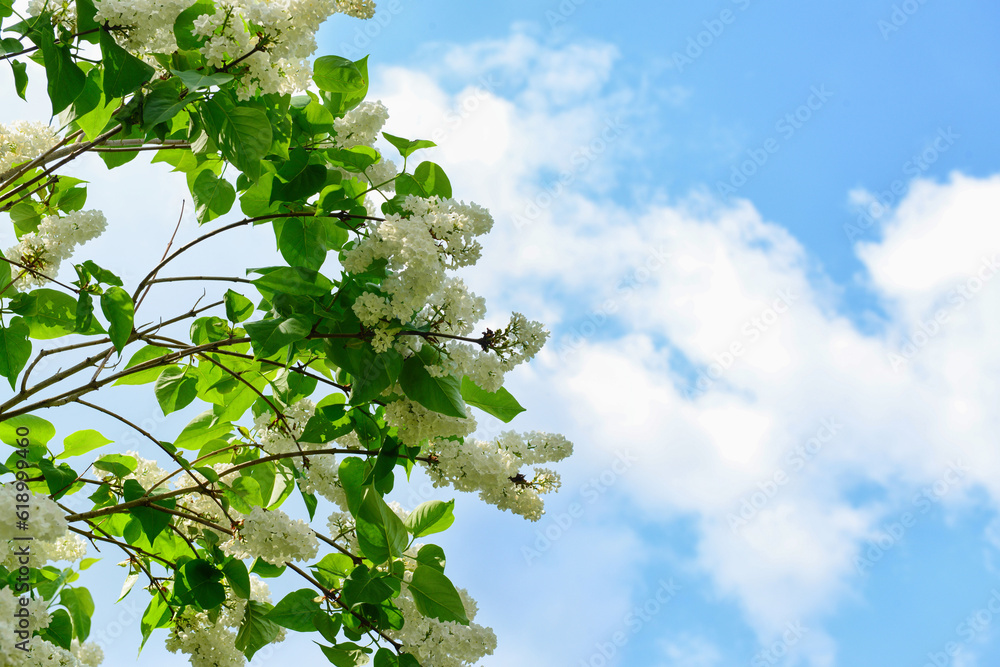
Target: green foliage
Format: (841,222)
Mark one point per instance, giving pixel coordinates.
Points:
(297,335)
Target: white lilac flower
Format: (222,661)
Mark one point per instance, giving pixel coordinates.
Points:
(417,424)
(56,239)
(360,126)
(211,643)
(436,235)
(274,537)
(494,469)
(442,643)
(23,140)
(46,520)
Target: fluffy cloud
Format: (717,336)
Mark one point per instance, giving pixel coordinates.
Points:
(694,331)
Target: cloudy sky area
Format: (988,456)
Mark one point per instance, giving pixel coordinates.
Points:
(764,236)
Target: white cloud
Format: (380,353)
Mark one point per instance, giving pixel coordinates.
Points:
(689,651)
(636,288)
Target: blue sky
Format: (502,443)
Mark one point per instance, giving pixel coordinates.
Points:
(869,467)
(884,96)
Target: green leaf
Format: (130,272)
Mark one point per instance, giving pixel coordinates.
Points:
(117,306)
(433,516)
(157,615)
(238,307)
(435,596)
(82,442)
(381,534)
(101,275)
(338,75)
(144,354)
(65,78)
(242,133)
(440,394)
(175,389)
(266,570)
(301,186)
(339,103)
(85,313)
(269,336)
(127,585)
(15,349)
(95,120)
(20,71)
(123,72)
(60,629)
(256,631)
(59,480)
(327,626)
(200,581)
(433,180)
(204,427)
(356,158)
(238,578)
(153,521)
(81,607)
(85,13)
(39,430)
(118,465)
(321,430)
(362,587)
(333,569)
(195,80)
(184,25)
(163,102)
(406,147)
(293,280)
(248,489)
(501,404)
(302,242)
(295,611)
(48,313)
(342,656)
(431,555)
(213,196)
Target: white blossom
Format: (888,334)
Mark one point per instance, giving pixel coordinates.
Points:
(45,522)
(417,424)
(274,537)
(43,251)
(442,643)
(494,469)
(213,644)
(23,140)
(89,653)
(360,126)
(436,235)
